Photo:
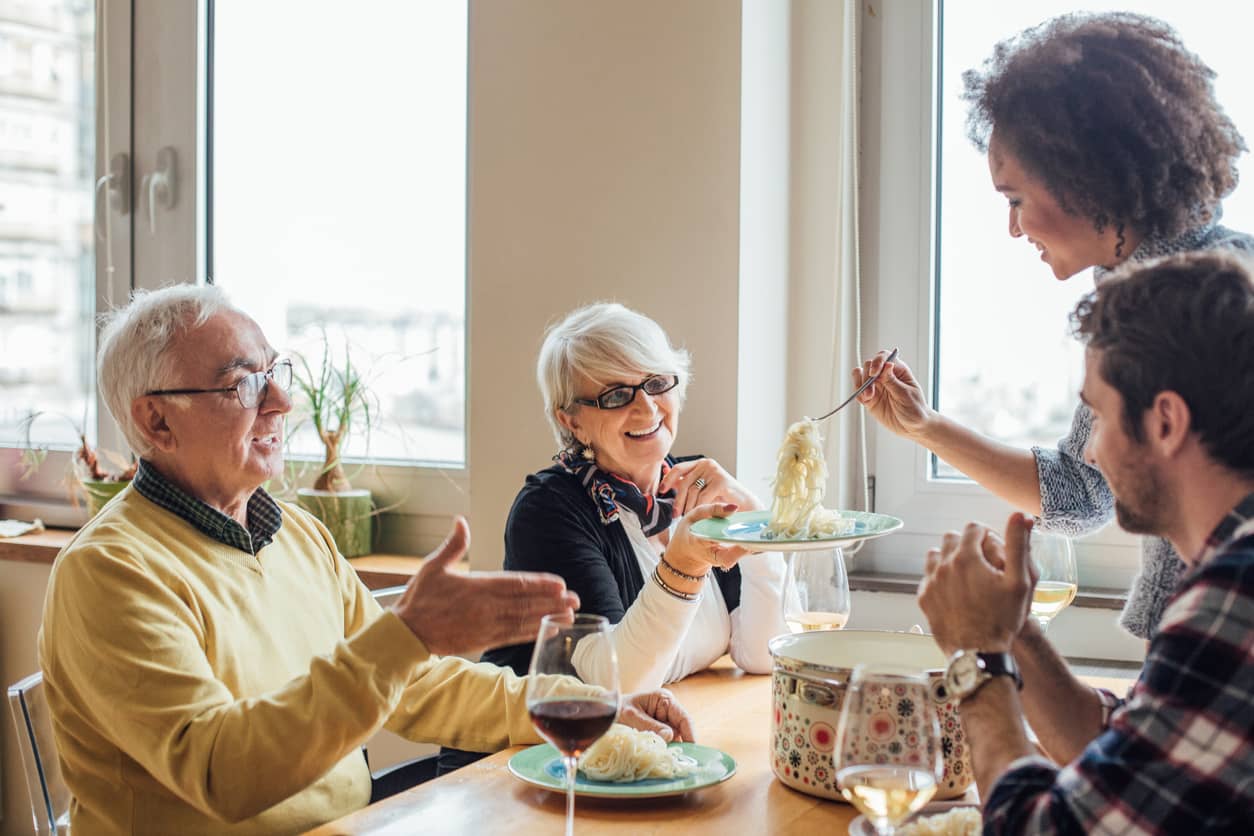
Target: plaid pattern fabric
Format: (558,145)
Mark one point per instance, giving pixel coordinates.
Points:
(1178,756)
(264,515)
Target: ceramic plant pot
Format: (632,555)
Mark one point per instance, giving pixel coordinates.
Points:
(100,492)
(348,515)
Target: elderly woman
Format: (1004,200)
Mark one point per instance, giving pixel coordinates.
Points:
(1105,137)
(611,516)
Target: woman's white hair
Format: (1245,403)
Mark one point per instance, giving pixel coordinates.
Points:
(605,343)
(135,343)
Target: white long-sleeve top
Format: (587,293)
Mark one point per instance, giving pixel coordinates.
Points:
(662,638)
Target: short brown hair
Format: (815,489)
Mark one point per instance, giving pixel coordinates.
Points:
(1114,116)
(1185,324)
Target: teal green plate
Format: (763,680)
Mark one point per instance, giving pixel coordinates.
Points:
(747,527)
(541,766)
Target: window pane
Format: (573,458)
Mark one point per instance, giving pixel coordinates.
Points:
(338,199)
(47,160)
(1008,367)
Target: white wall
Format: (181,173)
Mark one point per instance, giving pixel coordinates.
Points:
(605,164)
(763,321)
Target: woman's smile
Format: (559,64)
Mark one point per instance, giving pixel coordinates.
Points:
(648,432)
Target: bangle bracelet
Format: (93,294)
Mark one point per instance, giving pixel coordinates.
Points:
(670,590)
(679,574)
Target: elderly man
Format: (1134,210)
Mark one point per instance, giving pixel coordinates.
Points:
(212,664)
(1170,380)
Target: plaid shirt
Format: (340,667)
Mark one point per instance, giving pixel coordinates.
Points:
(1178,755)
(265,518)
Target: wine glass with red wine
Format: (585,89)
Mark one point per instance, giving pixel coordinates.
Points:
(572,719)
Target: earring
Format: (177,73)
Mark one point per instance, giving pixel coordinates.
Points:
(588,454)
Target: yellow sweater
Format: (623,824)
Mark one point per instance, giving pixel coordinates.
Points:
(195,688)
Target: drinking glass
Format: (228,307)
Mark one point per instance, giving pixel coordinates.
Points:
(571,723)
(816,591)
(1054,558)
(888,753)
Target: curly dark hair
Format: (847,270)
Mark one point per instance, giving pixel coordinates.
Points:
(1114,115)
(1183,323)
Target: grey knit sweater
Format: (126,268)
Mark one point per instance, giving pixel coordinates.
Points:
(1074,497)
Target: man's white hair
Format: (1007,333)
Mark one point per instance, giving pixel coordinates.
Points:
(135,343)
(605,343)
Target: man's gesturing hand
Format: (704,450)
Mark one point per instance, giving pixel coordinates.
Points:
(657,711)
(976,590)
(455,612)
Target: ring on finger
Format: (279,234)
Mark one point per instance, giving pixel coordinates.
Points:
(699,483)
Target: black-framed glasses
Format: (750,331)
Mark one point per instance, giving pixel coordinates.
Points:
(251,389)
(620,396)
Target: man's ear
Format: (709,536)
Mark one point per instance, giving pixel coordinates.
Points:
(149,416)
(1168,422)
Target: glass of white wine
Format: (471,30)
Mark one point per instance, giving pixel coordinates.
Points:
(816,591)
(888,752)
(1054,559)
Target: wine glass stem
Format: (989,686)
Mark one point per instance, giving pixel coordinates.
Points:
(571,766)
(1041,620)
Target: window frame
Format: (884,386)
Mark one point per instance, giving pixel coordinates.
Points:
(159,86)
(43,493)
(412,490)
(900,155)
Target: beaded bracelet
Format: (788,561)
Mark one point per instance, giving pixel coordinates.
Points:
(679,574)
(670,590)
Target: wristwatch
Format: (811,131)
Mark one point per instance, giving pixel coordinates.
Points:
(969,669)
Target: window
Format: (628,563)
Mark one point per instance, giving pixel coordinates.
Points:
(338,200)
(981,321)
(323,190)
(47,148)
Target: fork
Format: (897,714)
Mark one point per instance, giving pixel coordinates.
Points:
(891,357)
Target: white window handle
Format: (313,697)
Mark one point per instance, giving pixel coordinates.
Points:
(161,186)
(117,183)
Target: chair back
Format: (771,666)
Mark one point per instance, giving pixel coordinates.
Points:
(49,795)
(387,595)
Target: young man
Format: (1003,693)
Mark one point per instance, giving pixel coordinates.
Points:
(1170,380)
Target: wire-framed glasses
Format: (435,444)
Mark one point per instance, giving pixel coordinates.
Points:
(251,389)
(620,396)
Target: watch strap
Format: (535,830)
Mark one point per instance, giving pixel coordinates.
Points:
(1001,664)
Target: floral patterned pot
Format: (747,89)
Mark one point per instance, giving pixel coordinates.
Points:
(808,687)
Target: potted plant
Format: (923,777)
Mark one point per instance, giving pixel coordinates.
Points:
(337,401)
(87,477)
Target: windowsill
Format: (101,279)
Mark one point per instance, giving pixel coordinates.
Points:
(377,571)
(382,570)
(900,584)
(40,547)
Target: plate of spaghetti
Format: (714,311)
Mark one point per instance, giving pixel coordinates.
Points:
(626,763)
(797,520)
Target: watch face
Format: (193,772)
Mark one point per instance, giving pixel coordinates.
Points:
(963,674)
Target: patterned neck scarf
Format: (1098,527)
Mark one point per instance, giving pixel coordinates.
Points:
(609,491)
(1156,245)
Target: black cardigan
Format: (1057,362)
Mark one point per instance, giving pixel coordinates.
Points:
(554,527)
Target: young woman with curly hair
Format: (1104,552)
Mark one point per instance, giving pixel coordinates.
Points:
(1104,135)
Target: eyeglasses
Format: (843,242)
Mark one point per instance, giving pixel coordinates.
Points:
(251,389)
(620,396)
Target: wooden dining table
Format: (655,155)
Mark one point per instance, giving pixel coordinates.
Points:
(731,711)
